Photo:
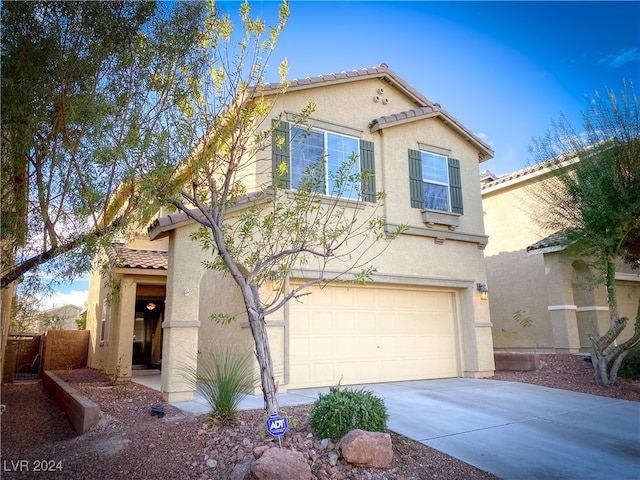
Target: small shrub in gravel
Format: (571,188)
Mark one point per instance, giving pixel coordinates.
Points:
(342,410)
(630,367)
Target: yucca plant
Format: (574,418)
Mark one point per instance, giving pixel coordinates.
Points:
(224,377)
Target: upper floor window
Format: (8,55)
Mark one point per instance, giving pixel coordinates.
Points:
(435,182)
(305,151)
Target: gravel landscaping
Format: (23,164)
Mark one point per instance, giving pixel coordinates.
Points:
(129,443)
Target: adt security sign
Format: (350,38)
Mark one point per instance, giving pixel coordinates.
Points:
(277,425)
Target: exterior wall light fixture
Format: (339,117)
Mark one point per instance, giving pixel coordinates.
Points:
(276,281)
(484,291)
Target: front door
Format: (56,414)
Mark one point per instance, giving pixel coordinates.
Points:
(147,333)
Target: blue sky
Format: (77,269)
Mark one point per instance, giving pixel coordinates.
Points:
(504,69)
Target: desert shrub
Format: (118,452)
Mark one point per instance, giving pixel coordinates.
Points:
(342,410)
(630,367)
(224,377)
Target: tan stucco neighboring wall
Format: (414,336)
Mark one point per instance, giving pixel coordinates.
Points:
(99,356)
(554,292)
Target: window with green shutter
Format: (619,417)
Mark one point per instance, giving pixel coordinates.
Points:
(280,159)
(368,168)
(434,182)
(455,186)
(305,149)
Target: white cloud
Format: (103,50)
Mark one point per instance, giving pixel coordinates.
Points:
(620,58)
(59,299)
(485,138)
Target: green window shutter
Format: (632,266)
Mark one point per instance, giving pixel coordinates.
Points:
(455,186)
(415,179)
(368,166)
(281,155)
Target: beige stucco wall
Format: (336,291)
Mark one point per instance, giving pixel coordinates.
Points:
(6,300)
(114,354)
(555,292)
(426,256)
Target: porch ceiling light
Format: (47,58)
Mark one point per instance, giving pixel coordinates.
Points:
(484,291)
(151,306)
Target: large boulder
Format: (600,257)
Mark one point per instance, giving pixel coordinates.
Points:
(281,464)
(367,449)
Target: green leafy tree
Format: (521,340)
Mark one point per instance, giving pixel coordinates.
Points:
(260,236)
(81,321)
(26,316)
(54,322)
(89,92)
(593,201)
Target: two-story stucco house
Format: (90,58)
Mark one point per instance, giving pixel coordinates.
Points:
(531,276)
(421,317)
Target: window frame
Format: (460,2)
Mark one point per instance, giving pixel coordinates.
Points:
(416,184)
(446,185)
(296,130)
(103,324)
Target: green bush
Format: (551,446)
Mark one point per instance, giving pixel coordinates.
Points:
(342,410)
(630,367)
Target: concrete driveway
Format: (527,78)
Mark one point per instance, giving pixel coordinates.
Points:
(513,430)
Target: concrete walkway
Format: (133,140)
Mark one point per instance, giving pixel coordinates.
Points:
(514,430)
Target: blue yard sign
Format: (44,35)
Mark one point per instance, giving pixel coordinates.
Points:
(277,425)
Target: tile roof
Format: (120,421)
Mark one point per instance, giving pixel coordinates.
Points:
(531,171)
(425,107)
(126,257)
(434,110)
(161,225)
(381,71)
(556,240)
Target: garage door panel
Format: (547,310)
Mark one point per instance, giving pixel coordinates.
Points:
(371,334)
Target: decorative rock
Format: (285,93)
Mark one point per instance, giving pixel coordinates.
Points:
(367,449)
(241,470)
(333,459)
(258,451)
(212,463)
(281,464)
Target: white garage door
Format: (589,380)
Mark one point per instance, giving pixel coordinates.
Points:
(371,334)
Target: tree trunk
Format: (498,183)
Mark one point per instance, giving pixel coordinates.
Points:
(263,353)
(606,367)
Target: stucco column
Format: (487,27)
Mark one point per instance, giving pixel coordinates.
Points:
(181,324)
(562,308)
(592,313)
(124,335)
(476,338)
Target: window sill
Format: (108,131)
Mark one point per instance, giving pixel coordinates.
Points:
(338,201)
(433,217)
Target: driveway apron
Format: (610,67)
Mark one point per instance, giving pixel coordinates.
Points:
(519,431)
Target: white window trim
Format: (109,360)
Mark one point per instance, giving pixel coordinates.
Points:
(447,185)
(325,147)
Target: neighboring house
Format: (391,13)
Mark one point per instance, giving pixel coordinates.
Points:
(60,318)
(420,318)
(532,280)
